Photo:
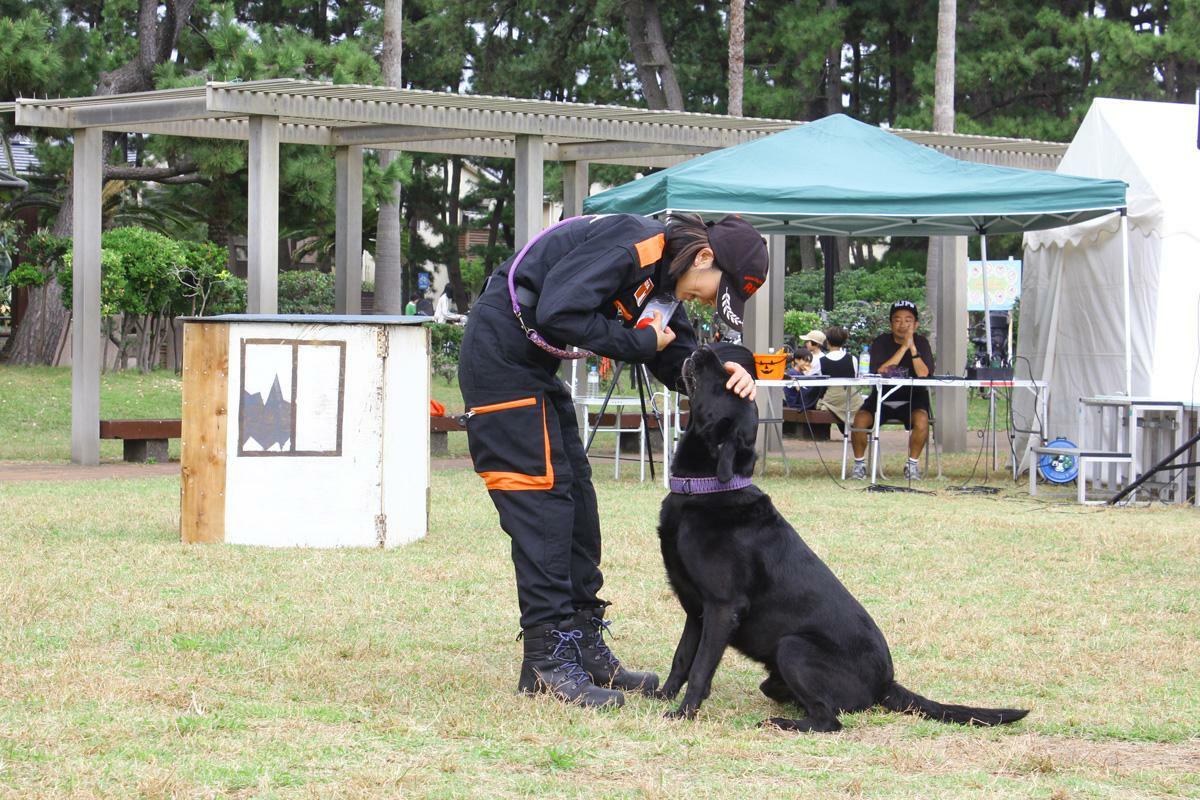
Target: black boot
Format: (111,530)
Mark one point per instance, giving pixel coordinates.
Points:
(551,665)
(600,662)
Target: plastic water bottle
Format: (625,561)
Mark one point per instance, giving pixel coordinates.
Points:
(864,362)
(593,382)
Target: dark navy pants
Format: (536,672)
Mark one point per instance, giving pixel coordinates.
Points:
(525,444)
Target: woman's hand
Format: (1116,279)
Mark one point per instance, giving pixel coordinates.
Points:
(740,382)
(665,335)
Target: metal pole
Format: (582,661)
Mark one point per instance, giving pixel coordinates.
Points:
(1128,304)
(987,306)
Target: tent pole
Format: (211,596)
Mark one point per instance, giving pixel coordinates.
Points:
(987,306)
(1128,304)
(987,327)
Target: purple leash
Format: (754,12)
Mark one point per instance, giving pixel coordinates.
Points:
(530,333)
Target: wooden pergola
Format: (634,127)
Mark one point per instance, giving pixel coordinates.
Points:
(350,118)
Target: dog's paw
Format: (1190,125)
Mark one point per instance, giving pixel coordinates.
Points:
(663,693)
(681,713)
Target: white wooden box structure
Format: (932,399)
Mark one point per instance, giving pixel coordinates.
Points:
(307,431)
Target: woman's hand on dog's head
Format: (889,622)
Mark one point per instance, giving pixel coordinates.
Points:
(740,382)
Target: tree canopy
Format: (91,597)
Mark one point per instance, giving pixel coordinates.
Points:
(1023,69)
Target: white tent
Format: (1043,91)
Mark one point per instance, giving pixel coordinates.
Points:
(1072,324)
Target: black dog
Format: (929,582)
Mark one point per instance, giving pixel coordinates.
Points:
(747,579)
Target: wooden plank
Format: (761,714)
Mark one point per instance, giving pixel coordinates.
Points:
(444,424)
(814,416)
(205,430)
(141,428)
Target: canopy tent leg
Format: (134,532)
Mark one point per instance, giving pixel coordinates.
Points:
(262,234)
(987,328)
(85,297)
(987,305)
(1128,304)
(347,248)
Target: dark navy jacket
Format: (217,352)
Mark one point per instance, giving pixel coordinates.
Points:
(592,277)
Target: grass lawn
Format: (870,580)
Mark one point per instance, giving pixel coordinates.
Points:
(132,665)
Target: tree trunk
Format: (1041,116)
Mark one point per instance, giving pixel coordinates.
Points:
(453,256)
(808,252)
(389,289)
(737,54)
(643,25)
(494,221)
(943,122)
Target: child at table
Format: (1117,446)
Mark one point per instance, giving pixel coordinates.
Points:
(802,397)
(837,363)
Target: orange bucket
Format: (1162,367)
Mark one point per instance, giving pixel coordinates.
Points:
(769,366)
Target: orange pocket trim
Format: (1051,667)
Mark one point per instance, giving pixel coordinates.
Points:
(624,311)
(524,401)
(650,250)
(516,481)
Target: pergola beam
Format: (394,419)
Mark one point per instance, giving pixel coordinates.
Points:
(234,129)
(231,100)
(394,134)
(605,151)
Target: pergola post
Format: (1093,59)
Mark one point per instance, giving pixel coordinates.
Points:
(952,339)
(88,176)
(575,187)
(527,209)
(262,234)
(575,191)
(347,249)
(762,328)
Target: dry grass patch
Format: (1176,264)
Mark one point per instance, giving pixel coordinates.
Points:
(133,665)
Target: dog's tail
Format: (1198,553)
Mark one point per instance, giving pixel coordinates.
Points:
(897,698)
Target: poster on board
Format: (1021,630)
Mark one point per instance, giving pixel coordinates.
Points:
(1003,282)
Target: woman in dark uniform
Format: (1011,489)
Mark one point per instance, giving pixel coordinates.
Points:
(583,282)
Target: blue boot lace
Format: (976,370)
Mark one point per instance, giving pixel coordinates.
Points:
(601,645)
(568,641)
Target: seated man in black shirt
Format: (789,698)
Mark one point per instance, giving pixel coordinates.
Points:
(902,353)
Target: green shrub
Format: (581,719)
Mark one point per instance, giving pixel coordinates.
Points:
(806,291)
(445,343)
(206,286)
(798,323)
(42,257)
(306,292)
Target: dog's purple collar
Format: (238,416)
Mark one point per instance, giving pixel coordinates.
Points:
(707,485)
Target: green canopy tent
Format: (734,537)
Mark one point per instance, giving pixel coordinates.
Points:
(838,176)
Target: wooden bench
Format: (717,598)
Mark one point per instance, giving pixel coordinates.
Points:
(439,430)
(813,425)
(143,439)
(147,439)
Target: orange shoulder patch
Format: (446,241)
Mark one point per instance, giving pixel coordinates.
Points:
(650,250)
